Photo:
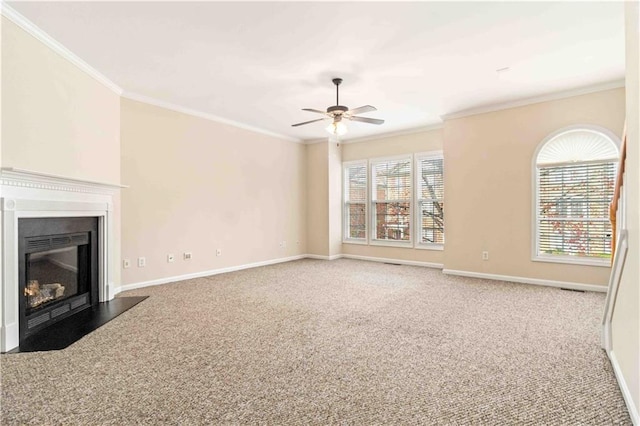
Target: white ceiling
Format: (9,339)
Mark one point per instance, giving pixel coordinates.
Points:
(260,63)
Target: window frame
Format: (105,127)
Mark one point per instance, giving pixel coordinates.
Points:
(418,157)
(535,235)
(345,203)
(373,201)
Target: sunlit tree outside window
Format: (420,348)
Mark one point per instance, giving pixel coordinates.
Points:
(355,201)
(391,199)
(430,199)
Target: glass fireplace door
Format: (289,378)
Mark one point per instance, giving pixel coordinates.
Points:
(53,275)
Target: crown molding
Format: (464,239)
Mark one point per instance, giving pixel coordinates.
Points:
(411,131)
(319,140)
(615,84)
(195,113)
(56,46)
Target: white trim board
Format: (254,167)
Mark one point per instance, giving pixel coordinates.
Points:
(201,274)
(29,179)
(553,96)
(206,116)
(614,283)
(56,46)
(624,388)
(525,280)
(507,278)
(398,261)
(176,278)
(322,257)
(405,132)
(40,35)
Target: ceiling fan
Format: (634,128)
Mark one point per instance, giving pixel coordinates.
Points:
(338,112)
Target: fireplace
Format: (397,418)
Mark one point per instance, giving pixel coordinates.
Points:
(58,269)
(30,195)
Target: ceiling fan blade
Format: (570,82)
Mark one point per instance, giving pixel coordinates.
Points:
(311,121)
(314,110)
(367,120)
(360,110)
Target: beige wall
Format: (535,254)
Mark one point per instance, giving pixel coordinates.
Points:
(488,184)
(317,163)
(387,147)
(393,145)
(55,118)
(335,197)
(198,185)
(626,315)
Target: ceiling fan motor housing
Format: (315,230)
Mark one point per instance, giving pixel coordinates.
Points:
(337,108)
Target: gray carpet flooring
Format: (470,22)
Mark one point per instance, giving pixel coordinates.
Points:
(318,342)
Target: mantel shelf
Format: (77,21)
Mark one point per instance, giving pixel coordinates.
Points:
(27,178)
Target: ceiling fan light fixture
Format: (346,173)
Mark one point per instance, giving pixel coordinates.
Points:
(337,128)
(337,112)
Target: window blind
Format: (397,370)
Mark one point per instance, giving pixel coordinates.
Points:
(431,199)
(391,199)
(573,209)
(355,201)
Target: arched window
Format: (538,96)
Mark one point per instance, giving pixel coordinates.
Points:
(575,171)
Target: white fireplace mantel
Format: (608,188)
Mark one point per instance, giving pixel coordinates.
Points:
(28,194)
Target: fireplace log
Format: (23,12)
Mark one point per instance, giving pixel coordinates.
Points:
(56,289)
(33,288)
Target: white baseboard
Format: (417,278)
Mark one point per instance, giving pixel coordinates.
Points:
(525,280)
(176,278)
(624,388)
(398,261)
(10,333)
(321,257)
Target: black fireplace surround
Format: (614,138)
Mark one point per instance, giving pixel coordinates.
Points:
(58,270)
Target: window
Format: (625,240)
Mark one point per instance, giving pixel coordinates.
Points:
(430,199)
(391,200)
(575,176)
(355,201)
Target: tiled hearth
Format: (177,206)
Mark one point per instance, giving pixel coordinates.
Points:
(27,194)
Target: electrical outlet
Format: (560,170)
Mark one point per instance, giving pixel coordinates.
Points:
(218,252)
(142,262)
(485,255)
(187,255)
(170,258)
(126,263)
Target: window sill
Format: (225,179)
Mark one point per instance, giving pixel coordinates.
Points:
(359,242)
(437,247)
(606,263)
(406,244)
